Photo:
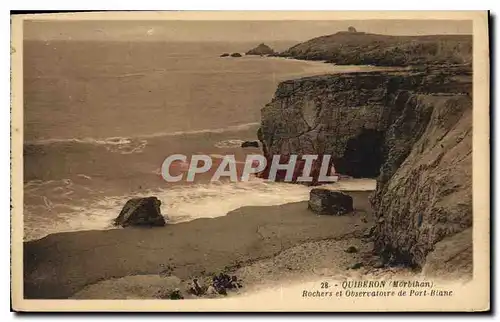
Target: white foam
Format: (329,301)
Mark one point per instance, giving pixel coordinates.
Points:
(217,199)
(233,143)
(104,141)
(185,203)
(120,145)
(232,128)
(141,138)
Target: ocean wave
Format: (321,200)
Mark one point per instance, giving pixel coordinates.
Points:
(225,144)
(232,128)
(136,146)
(120,145)
(34,185)
(139,142)
(57,191)
(106,141)
(179,204)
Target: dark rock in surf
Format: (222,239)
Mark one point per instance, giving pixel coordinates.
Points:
(327,202)
(235,55)
(250,144)
(224,55)
(141,212)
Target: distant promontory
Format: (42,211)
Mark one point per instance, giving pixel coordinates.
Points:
(353,47)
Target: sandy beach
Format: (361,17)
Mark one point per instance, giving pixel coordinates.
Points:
(64,264)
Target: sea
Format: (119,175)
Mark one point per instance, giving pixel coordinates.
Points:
(100,118)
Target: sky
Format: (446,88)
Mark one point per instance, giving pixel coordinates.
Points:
(248,31)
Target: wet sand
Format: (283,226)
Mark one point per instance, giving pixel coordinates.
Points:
(60,265)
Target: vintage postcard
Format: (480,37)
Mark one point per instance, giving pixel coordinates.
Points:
(250,161)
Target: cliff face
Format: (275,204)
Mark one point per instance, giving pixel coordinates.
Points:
(424,191)
(346,48)
(412,129)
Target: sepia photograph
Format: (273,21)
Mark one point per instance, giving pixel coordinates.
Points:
(204,161)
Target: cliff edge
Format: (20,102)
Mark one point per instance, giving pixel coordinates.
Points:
(410,129)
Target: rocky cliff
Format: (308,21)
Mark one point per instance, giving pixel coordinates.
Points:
(410,129)
(360,48)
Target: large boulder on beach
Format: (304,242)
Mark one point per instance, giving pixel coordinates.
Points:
(328,202)
(141,212)
(261,50)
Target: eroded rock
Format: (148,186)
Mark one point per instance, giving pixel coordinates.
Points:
(424,191)
(419,123)
(250,144)
(451,258)
(261,50)
(141,212)
(328,202)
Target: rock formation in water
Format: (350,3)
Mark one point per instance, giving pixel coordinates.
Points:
(261,50)
(411,129)
(141,212)
(250,144)
(360,48)
(235,55)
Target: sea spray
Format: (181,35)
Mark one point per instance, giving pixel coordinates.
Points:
(180,203)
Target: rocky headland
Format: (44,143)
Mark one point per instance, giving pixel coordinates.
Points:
(360,48)
(412,130)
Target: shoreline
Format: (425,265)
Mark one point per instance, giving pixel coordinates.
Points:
(131,147)
(323,67)
(219,197)
(62,264)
